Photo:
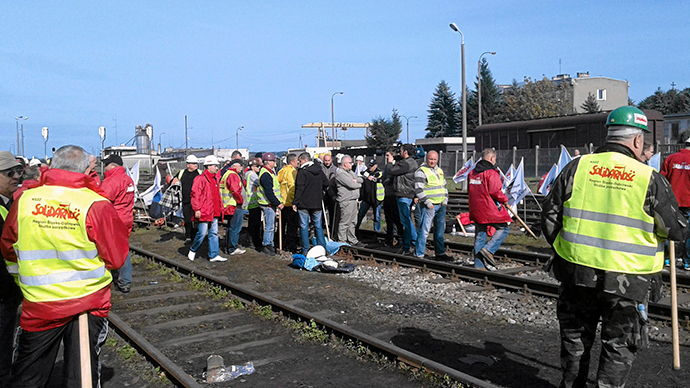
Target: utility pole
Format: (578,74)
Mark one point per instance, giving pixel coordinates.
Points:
(186,138)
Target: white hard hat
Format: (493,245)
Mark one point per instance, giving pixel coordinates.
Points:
(360,158)
(316,251)
(330,263)
(192,159)
(34,162)
(211,160)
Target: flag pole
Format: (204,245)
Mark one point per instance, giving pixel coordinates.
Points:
(674,305)
(521,222)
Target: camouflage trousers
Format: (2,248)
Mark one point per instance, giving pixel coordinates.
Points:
(623,332)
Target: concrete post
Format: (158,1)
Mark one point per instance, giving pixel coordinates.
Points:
(536,160)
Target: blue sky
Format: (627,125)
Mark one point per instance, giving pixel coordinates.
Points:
(272,66)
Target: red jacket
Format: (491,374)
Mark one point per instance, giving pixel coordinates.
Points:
(103,227)
(119,189)
(484,190)
(676,169)
(206,197)
(234,184)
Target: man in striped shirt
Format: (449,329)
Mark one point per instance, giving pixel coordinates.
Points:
(432,194)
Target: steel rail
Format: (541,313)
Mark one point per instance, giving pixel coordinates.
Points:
(493,278)
(332,326)
(173,372)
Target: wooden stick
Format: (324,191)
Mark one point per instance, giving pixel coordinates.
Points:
(326,217)
(521,222)
(84,350)
(674,305)
(462,228)
(280,232)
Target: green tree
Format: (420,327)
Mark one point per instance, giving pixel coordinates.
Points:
(445,116)
(492,100)
(590,105)
(669,102)
(384,132)
(538,99)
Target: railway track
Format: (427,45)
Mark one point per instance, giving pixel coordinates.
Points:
(178,327)
(508,277)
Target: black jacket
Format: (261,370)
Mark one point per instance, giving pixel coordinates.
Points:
(403,173)
(660,203)
(368,191)
(309,186)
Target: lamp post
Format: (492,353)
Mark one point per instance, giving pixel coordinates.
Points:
(159,142)
(408,126)
(22,148)
(333,120)
(464,96)
(44,132)
(479,83)
(237,138)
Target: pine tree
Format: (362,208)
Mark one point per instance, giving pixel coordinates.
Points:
(445,117)
(383,132)
(590,105)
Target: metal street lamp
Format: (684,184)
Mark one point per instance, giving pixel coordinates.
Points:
(22,143)
(479,83)
(237,138)
(408,126)
(44,132)
(464,96)
(333,121)
(159,142)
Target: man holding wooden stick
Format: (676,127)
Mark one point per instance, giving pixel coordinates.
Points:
(64,237)
(607,216)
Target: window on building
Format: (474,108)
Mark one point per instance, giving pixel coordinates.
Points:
(675,129)
(601,94)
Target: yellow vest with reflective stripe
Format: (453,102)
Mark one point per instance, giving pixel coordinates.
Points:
(11,266)
(225,193)
(251,189)
(604,222)
(261,195)
(56,259)
(380,191)
(435,188)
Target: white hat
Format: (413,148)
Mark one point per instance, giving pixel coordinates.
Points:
(360,158)
(192,159)
(34,162)
(211,160)
(330,263)
(316,251)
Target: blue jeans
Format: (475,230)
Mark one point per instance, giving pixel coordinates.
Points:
(124,273)
(232,232)
(304,216)
(492,246)
(686,259)
(212,232)
(437,216)
(409,233)
(270,220)
(363,209)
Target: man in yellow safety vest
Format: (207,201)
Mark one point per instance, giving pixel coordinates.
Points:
(607,216)
(65,237)
(268,194)
(430,189)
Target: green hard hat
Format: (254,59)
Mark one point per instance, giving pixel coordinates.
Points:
(627,116)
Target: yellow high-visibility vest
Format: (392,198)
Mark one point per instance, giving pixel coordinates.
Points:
(225,193)
(261,194)
(604,222)
(57,261)
(435,188)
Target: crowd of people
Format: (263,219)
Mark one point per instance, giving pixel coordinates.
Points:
(65,235)
(288,208)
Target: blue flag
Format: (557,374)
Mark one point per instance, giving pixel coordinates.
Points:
(508,177)
(519,187)
(464,171)
(563,159)
(655,161)
(550,177)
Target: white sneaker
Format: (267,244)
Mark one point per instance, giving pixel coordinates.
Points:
(217,258)
(237,251)
(191,255)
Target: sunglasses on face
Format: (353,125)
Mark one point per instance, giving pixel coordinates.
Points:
(12,172)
